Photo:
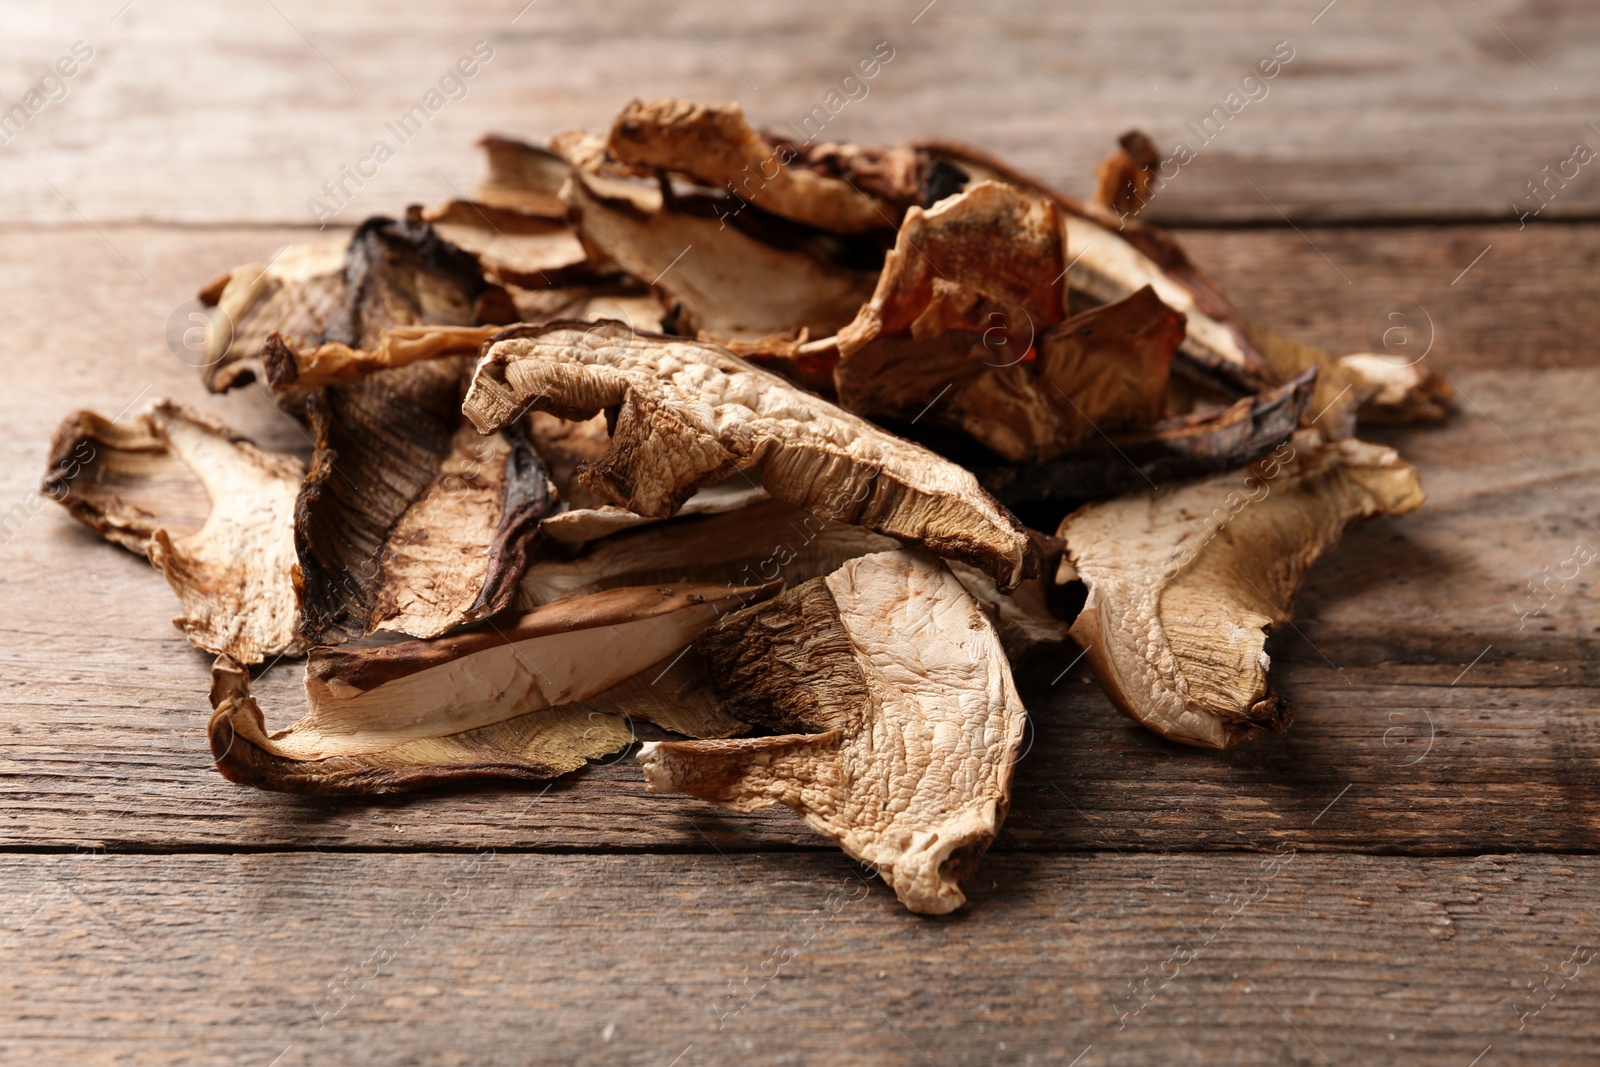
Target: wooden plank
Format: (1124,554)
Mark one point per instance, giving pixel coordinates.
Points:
(104,704)
(190,112)
(485,958)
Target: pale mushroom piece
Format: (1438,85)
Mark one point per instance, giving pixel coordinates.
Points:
(761,541)
(716,147)
(518,248)
(897,721)
(1185,582)
(577,526)
(531,698)
(1022,617)
(690,413)
(722,282)
(1394,389)
(522,177)
(296,293)
(213,513)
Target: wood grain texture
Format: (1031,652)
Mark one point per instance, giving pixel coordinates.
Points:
(200,113)
(793,960)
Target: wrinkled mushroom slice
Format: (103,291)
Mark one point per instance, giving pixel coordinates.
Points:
(296,294)
(577,526)
(764,541)
(1184,583)
(410,521)
(533,698)
(1186,446)
(899,722)
(294,366)
(213,512)
(518,248)
(716,147)
(721,281)
(522,177)
(690,413)
(1022,617)
(1397,390)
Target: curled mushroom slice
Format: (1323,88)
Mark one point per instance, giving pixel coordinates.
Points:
(896,721)
(296,293)
(691,413)
(410,521)
(294,366)
(762,542)
(1184,583)
(716,147)
(1185,446)
(211,510)
(532,698)
(721,281)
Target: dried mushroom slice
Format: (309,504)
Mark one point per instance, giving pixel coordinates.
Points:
(294,366)
(897,721)
(1185,582)
(689,413)
(716,147)
(1186,446)
(211,510)
(517,248)
(523,177)
(721,281)
(1397,390)
(764,541)
(966,328)
(296,294)
(531,699)
(410,521)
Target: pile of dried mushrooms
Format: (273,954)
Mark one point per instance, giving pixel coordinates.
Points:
(690,433)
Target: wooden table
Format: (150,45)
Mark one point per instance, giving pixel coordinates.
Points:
(1380,885)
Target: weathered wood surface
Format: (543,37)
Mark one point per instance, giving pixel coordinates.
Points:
(481,958)
(1431,815)
(205,113)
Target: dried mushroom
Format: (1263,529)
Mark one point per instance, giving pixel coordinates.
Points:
(716,147)
(689,413)
(296,294)
(527,699)
(211,510)
(896,723)
(517,248)
(522,177)
(1185,582)
(292,366)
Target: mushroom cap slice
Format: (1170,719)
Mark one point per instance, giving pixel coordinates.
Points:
(717,147)
(533,698)
(688,413)
(296,294)
(899,721)
(144,483)
(1185,582)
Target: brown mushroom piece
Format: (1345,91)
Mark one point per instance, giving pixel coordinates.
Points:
(966,328)
(1397,390)
(213,513)
(715,146)
(1185,582)
(522,177)
(532,698)
(527,250)
(689,413)
(896,722)
(721,281)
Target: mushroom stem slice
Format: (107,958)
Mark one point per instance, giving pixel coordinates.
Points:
(689,413)
(1185,582)
(898,721)
(531,699)
(213,512)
